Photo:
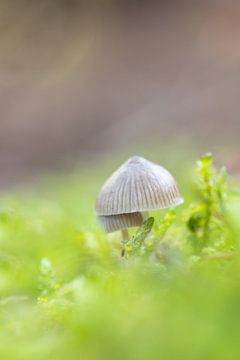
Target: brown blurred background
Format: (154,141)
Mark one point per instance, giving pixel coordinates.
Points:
(83,77)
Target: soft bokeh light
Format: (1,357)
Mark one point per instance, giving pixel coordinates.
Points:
(83,77)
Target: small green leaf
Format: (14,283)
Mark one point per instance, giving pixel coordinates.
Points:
(142,233)
(195,222)
(206,159)
(166,222)
(48,283)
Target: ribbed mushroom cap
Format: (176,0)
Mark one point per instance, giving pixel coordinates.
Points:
(118,222)
(138,185)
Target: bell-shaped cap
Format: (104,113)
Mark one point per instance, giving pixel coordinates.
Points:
(138,185)
(118,222)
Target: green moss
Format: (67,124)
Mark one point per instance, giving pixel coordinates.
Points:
(66,293)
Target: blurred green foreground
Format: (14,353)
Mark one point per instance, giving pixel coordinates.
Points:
(67,294)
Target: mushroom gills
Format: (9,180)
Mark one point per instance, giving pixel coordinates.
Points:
(113,223)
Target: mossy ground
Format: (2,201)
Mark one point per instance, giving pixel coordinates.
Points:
(66,293)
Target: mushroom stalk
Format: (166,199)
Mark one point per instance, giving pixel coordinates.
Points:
(125,239)
(145,215)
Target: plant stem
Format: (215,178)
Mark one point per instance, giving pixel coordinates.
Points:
(125,239)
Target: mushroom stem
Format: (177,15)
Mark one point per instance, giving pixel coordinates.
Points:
(145,215)
(125,238)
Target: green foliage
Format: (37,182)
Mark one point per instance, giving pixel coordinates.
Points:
(142,243)
(164,225)
(207,219)
(48,282)
(65,291)
(136,243)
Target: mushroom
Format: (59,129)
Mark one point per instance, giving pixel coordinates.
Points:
(137,187)
(122,221)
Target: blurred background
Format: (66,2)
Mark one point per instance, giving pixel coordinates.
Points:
(85,77)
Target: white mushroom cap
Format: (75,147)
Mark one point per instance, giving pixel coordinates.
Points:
(138,185)
(118,222)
